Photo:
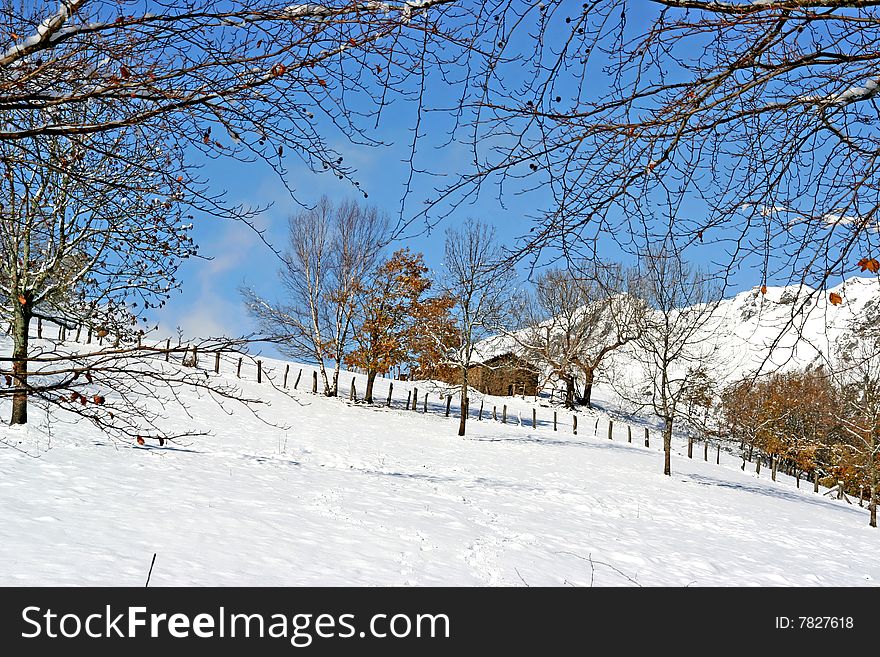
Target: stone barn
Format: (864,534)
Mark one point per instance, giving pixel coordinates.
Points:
(504,374)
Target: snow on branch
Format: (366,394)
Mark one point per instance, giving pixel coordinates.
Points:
(46,32)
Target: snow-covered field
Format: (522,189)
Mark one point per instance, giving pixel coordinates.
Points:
(345,494)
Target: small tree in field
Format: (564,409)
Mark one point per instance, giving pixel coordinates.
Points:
(477,279)
(389,306)
(575,319)
(332,248)
(673,349)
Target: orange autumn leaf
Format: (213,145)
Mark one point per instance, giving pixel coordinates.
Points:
(140,441)
(835,299)
(22,300)
(763,289)
(323,83)
(869,264)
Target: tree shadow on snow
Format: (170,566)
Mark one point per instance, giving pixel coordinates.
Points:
(816,499)
(590,442)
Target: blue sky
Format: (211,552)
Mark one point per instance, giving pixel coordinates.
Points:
(209,303)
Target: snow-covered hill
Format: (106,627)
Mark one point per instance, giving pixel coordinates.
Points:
(788,327)
(337,493)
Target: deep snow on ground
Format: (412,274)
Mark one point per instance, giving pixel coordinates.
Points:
(331,493)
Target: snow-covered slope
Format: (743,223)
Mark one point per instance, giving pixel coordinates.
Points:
(788,327)
(348,494)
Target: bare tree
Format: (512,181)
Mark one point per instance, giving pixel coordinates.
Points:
(477,278)
(92,231)
(332,249)
(674,349)
(573,320)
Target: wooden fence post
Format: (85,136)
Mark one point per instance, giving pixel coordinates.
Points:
(286,372)
(415,400)
(815,481)
(425,403)
(773,465)
(610,429)
(758,466)
(315,382)
(574,424)
(840,490)
(408,398)
(238,369)
(718,455)
(504,414)
(647,441)
(216,362)
(296,383)
(534,419)
(167,349)
(629,433)
(554,420)
(79,328)
(480,416)
(39,327)
(690,447)
(861,495)
(495,413)
(706,450)
(195,356)
(596,428)
(448,402)
(390,391)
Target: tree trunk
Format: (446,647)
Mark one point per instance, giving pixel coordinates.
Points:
(464,403)
(667,446)
(872,503)
(371,378)
(588,389)
(569,393)
(333,390)
(872,506)
(20,325)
